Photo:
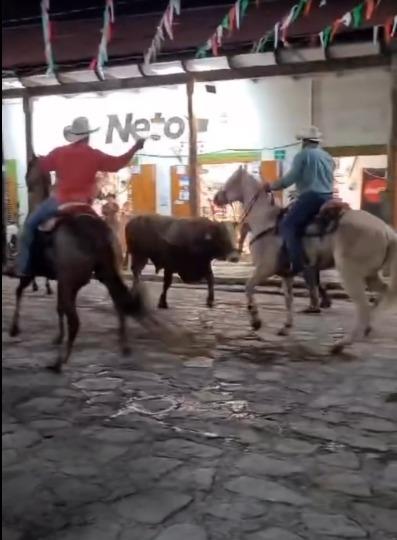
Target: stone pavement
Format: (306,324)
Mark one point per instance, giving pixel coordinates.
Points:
(238,436)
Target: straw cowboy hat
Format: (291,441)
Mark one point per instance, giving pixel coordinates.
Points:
(78,130)
(311,133)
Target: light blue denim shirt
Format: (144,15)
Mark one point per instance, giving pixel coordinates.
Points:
(312,170)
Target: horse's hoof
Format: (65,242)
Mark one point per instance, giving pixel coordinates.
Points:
(210,303)
(337,348)
(163,305)
(35,288)
(55,368)
(367,331)
(311,310)
(256,324)
(49,292)
(57,340)
(284,331)
(14,330)
(325,304)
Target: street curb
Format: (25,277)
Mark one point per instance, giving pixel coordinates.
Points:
(237,284)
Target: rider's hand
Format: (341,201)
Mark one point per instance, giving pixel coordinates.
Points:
(140,143)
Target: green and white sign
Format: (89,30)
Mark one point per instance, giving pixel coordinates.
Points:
(279,154)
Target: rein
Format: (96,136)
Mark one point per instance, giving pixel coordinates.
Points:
(249,209)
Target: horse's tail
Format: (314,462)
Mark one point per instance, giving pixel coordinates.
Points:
(390,270)
(133,302)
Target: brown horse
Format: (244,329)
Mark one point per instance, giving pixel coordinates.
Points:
(79,247)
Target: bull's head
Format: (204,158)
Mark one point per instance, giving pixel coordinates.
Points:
(221,238)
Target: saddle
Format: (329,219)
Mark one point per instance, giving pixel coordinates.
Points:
(325,222)
(67,209)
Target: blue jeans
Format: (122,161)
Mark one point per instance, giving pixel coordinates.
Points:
(293,225)
(46,210)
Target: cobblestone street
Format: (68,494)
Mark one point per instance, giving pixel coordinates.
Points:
(239,436)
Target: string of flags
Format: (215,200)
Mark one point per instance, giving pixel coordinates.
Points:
(47,36)
(99,61)
(390,30)
(354,18)
(280,29)
(164,28)
(230,22)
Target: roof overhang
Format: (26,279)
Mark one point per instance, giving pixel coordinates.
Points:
(288,61)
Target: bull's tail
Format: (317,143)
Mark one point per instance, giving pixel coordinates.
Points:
(390,269)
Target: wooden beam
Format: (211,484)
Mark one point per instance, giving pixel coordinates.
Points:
(253,72)
(193,183)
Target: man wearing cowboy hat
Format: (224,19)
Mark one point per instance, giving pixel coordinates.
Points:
(312,173)
(76,165)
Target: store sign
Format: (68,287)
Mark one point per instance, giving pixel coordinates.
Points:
(158,126)
(279,154)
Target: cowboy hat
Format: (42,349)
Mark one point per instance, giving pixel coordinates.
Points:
(78,130)
(311,133)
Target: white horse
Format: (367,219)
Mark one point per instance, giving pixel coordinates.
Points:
(357,243)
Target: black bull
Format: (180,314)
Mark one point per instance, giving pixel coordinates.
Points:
(183,246)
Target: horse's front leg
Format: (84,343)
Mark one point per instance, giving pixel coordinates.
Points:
(287,286)
(252,282)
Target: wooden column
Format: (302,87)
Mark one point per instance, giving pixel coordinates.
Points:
(193,185)
(27,109)
(4,210)
(392,150)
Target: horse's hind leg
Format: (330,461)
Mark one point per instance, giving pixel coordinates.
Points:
(287,286)
(61,322)
(23,283)
(67,306)
(312,279)
(354,285)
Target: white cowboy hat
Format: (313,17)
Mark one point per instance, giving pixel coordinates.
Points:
(78,130)
(311,133)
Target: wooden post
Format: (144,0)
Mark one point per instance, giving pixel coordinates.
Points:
(4,210)
(28,127)
(193,184)
(28,140)
(392,150)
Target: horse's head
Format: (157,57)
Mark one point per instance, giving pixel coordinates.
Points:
(37,181)
(243,187)
(232,191)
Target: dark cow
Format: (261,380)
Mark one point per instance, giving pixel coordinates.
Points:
(183,246)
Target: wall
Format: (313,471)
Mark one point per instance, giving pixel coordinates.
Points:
(14,148)
(353,108)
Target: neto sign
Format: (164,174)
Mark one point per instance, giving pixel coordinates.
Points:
(172,127)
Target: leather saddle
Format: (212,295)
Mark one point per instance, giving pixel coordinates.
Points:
(67,209)
(327,219)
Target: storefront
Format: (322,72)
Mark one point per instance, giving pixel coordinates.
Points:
(240,122)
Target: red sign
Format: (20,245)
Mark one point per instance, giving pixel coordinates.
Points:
(373,189)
